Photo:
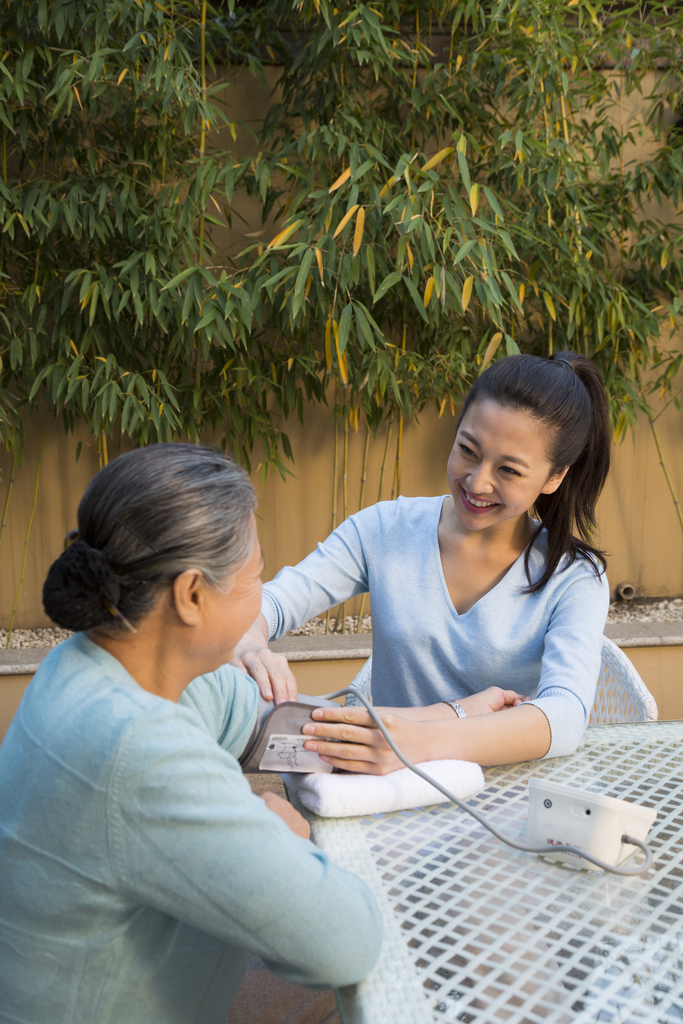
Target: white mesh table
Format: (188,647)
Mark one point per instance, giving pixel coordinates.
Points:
(479,933)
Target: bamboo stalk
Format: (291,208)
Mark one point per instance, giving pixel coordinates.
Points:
(10,485)
(384,459)
(662,463)
(28,534)
(202,154)
(399,455)
(345,500)
(364,476)
(334,491)
(99,450)
(105,453)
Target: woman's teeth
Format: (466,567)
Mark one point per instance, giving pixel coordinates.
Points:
(479,504)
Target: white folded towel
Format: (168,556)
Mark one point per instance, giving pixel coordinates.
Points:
(344,796)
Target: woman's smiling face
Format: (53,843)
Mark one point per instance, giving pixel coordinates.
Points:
(498,465)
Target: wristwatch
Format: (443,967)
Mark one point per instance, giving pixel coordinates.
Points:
(459,710)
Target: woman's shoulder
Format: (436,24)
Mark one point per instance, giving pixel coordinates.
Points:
(402,513)
(582,573)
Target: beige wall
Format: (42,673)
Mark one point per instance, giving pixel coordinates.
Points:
(638,524)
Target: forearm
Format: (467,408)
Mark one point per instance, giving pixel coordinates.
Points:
(486,739)
(254,638)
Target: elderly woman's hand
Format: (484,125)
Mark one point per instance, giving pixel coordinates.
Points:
(294,821)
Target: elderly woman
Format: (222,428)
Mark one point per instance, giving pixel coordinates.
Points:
(138,869)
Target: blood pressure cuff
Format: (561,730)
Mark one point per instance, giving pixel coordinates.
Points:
(276,744)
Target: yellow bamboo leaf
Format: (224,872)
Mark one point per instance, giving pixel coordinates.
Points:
(122,76)
(458,63)
(385,188)
(664,259)
(340,180)
(319,258)
(589,254)
(284,235)
(474,199)
(345,220)
(462,144)
(467,292)
(309,282)
(441,155)
(429,288)
(549,304)
(522,291)
(343,365)
(358,233)
(328,345)
(73,346)
(290,363)
(491,349)
(442,407)
(409,254)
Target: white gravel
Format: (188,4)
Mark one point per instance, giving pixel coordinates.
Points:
(670,610)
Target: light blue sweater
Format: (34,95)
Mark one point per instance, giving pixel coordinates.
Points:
(545,645)
(138,870)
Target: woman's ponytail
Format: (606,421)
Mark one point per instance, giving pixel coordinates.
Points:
(567,394)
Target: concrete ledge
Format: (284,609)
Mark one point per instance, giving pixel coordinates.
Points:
(21,662)
(339,647)
(645,634)
(351,646)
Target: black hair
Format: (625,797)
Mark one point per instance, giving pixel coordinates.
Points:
(145,518)
(566,394)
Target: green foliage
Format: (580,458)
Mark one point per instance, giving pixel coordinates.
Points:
(110,305)
(450,183)
(462,175)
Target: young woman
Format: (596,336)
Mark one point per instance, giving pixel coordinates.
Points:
(138,869)
(474,601)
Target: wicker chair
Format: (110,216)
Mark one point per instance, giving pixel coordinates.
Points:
(621,695)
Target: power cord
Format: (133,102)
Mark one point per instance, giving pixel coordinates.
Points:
(629,840)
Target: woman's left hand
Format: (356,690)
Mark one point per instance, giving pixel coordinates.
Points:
(364,748)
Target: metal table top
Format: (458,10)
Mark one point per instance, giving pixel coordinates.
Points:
(480,933)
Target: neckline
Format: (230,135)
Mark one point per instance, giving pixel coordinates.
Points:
(442,575)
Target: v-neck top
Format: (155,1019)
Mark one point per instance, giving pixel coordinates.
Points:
(545,645)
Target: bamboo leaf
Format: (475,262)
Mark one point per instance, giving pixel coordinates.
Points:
(389,281)
(328,345)
(441,155)
(491,349)
(342,337)
(550,306)
(358,233)
(474,199)
(284,235)
(416,297)
(319,258)
(429,288)
(345,220)
(340,180)
(466,292)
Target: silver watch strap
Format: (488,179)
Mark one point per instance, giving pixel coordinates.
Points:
(459,710)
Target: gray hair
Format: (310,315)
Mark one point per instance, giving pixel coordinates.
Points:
(144,519)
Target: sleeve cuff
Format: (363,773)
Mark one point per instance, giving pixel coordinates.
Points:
(269,611)
(566,720)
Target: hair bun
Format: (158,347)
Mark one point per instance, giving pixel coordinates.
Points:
(79,587)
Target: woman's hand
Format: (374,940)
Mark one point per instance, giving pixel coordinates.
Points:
(270,671)
(490,700)
(294,821)
(364,748)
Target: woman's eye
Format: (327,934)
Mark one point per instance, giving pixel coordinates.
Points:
(465,450)
(509,470)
